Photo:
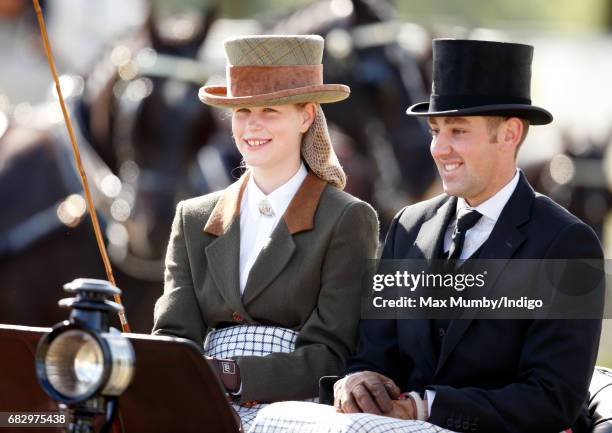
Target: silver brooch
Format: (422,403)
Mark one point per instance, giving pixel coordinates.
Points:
(265,208)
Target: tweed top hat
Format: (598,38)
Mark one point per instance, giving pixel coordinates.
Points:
(481,78)
(273,70)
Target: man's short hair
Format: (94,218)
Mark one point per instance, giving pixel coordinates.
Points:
(493,123)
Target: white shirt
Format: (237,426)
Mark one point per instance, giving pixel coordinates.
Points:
(490,209)
(255,228)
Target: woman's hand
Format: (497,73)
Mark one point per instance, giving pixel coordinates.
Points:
(227,371)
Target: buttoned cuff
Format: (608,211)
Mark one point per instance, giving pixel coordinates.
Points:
(422,410)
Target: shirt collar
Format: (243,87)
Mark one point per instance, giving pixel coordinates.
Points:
(280,198)
(492,207)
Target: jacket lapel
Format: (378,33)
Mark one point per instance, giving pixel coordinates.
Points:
(427,246)
(271,260)
(275,256)
(223,253)
(223,256)
(501,245)
(431,234)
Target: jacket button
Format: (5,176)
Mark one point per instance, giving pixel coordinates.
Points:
(441,332)
(237,317)
(458,422)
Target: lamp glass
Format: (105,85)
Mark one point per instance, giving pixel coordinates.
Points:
(74,363)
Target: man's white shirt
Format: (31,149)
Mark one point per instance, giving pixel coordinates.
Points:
(490,209)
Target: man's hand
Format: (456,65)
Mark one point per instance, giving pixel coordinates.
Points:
(403,409)
(367,392)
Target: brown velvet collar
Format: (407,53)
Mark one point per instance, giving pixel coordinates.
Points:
(299,216)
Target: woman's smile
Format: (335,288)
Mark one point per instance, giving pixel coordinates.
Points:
(256,143)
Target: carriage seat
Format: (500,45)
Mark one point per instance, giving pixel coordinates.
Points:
(600,398)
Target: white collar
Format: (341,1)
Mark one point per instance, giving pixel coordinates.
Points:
(492,207)
(280,198)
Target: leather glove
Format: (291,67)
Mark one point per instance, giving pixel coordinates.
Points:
(227,371)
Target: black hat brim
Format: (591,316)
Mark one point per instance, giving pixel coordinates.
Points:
(535,115)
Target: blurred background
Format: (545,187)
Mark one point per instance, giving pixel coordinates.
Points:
(130,74)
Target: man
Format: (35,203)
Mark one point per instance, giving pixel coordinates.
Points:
(479,375)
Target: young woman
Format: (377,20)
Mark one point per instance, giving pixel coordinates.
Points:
(267,273)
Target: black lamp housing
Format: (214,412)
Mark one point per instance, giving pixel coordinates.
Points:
(83,364)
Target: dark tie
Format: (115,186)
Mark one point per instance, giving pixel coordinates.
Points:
(465,221)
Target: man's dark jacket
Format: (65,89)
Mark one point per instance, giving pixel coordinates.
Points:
(491,375)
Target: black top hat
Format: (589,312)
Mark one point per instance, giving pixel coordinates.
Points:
(481,78)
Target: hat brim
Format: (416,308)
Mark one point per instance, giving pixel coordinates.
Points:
(322,94)
(535,115)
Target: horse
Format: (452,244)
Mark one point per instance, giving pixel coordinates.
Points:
(147,142)
(385,153)
(142,132)
(577,177)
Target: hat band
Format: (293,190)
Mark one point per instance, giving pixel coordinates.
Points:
(450,102)
(254,80)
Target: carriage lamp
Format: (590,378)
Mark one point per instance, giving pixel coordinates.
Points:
(83,364)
